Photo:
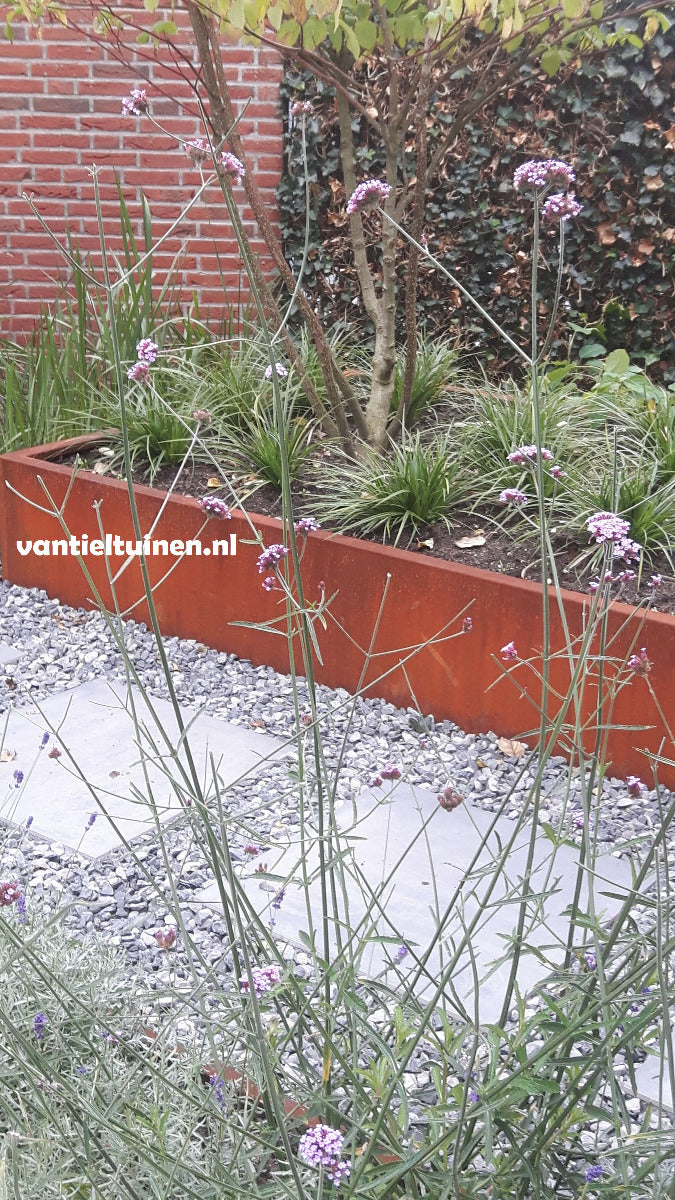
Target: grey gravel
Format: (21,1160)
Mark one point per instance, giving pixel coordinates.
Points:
(61,647)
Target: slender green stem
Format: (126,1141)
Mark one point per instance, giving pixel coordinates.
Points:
(546,620)
(460,287)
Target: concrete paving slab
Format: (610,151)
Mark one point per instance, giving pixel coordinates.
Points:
(9,655)
(378,830)
(94,725)
(653,1079)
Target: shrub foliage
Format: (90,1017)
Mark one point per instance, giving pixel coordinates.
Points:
(611,115)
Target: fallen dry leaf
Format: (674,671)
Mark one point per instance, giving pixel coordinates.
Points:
(101,468)
(473,539)
(7,755)
(214,482)
(427,545)
(512,748)
(606,236)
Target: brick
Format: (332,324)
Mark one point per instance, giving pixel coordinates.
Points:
(60,104)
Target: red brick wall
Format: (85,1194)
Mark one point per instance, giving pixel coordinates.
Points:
(60,113)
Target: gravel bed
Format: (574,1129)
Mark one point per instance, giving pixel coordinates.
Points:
(113,894)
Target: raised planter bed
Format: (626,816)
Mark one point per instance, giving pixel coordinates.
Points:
(456,677)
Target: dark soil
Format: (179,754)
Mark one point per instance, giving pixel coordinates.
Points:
(501,551)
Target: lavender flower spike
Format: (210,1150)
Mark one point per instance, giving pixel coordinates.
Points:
(39,1025)
(367,195)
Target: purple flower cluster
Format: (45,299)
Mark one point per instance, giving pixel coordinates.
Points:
(147,350)
(639,664)
(608,527)
(634,786)
(542,173)
(367,195)
(166,938)
(196,149)
(269,583)
(213,506)
(595,1172)
(524,455)
(271,556)
(401,953)
(202,415)
(321,1146)
(139,372)
(279,370)
(560,207)
(232,166)
(390,772)
(147,354)
(301,108)
(306,525)
(136,103)
(509,652)
(591,961)
(449,799)
(10,893)
(91,820)
(264,978)
(512,496)
(18,778)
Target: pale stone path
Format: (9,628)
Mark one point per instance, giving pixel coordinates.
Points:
(91,722)
(96,729)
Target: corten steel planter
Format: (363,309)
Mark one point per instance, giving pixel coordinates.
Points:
(456,677)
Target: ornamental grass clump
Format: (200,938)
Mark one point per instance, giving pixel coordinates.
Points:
(374,1056)
(417,483)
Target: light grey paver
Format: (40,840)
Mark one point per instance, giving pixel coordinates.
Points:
(95,727)
(411,904)
(8,655)
(383,828)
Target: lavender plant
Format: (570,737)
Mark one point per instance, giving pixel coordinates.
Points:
(306,1091)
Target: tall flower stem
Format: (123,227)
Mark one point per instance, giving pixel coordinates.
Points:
(546,616)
